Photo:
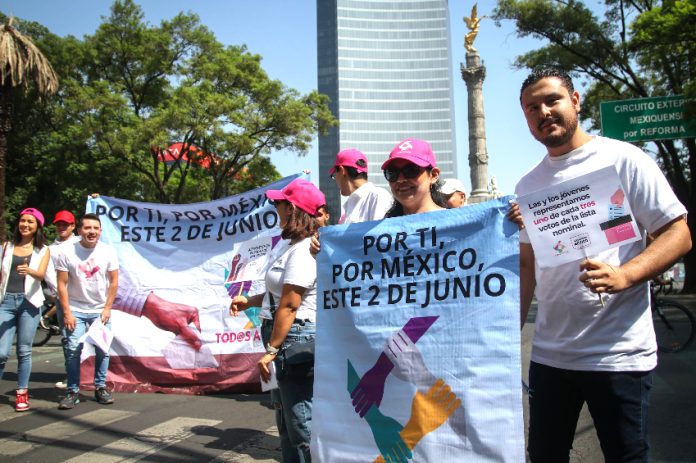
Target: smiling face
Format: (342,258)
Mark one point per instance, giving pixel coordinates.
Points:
(90,232)
(413,193)
(27,226)
(552,114)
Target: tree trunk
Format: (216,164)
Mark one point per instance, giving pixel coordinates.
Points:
(5,127)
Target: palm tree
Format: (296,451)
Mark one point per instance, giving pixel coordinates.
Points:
(21,65)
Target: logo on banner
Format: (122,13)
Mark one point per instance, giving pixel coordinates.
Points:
(580,241)
(560,248)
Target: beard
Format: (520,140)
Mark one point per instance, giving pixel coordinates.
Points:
(567,126)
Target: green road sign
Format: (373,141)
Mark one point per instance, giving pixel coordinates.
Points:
(643,119)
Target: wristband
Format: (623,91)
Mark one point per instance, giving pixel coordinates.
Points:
(272,350)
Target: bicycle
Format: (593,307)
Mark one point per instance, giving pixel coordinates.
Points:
(48,324)
(674,324)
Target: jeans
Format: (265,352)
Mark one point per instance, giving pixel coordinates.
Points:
(617,401)
(18,315)
(294,404)
(73,348)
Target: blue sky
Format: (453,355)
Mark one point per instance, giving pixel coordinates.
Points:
(283,32)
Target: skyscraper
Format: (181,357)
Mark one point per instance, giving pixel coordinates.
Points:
(386,66)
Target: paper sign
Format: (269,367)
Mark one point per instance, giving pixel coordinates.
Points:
(273,382)
(578,218)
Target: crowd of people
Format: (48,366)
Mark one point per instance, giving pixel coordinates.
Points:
(580,355)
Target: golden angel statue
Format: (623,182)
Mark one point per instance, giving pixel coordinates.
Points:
(473,24)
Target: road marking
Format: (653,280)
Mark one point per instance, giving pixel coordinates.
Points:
(144,443)
(59,430)
(261,449)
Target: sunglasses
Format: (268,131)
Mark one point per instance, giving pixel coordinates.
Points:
(409,171)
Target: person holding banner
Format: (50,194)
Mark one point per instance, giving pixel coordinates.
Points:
(414,179)
(584,351)
(292,299)
(24,262)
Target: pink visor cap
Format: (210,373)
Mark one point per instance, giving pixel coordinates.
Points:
(302,194)
(413,150)
(350,158)
(35,213)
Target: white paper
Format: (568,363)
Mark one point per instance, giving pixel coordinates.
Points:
(181,356)
(273,382)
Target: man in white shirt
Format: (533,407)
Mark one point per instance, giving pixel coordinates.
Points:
(584,351)
(87,284)
(366,201)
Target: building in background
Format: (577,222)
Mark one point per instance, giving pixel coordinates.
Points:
(386,65)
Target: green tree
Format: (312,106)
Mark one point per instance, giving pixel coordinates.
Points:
(637,48)
(149,87)
(22,66)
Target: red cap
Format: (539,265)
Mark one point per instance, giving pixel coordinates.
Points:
(350,158)
(413,150)
(34,213)
(64,216)
(302,194)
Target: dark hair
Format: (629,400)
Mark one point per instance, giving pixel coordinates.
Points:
(542,73)
(300,225)
(397,209)
(353,173)
(39,238)
(89,216)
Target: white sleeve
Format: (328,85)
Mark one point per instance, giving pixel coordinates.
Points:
(650,195)
(300,267)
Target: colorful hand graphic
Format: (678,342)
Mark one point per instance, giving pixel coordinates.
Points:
(408,362)
(370,389)
(386,431)
(429,412)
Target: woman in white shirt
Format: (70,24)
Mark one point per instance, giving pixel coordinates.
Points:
(24,262)
(291,295)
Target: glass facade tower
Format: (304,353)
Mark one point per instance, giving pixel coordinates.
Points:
(386,66)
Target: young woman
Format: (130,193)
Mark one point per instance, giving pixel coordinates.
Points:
(414,179)
(292,299)
(24,262)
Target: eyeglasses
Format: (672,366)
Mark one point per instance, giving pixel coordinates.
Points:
(409,171)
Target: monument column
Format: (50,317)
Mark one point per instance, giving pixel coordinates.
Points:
(473,74)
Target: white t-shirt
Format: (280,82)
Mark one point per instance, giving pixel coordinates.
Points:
(50,276)
(369,202)
(87,268)
(572,330)
(295,266)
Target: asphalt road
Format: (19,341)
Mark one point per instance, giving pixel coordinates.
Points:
(240,428)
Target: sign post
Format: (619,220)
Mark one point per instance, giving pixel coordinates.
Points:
(645,119)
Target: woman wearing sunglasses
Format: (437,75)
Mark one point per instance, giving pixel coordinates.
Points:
(291,295)
(414,179)
(24,262)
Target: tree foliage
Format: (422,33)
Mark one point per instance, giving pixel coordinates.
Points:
(634,49)
(129,91)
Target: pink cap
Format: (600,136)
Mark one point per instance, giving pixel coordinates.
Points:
(351,158)
(416,151)
(35,213)
(302,194)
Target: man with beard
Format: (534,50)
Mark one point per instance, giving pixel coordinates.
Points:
(583,351)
